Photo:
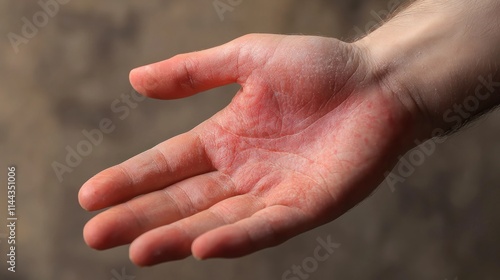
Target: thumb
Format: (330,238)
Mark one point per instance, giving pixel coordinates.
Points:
(187,74)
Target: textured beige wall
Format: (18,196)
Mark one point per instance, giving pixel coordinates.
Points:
(441,223)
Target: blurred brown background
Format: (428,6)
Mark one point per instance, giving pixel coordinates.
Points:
(441,223)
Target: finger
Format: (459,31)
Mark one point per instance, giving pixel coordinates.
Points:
(173,242)
(186,74)
(266,228)
(169,162)
(123,223)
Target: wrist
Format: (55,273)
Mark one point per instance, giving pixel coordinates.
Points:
(435,55)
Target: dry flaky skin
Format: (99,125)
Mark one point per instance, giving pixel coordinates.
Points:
(314,127)
(309,135)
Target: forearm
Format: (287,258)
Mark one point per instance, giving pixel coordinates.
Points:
(441,59)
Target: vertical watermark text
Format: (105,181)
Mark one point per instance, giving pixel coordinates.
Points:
(11,218)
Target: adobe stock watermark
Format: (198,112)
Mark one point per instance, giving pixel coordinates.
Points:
(378,18)
(310,264)
(223,6)
(31,26)
(456,116)
(121,276)
(121,108)
(11,221)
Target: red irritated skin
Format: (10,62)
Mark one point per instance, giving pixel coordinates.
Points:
(316,124)
(309,135)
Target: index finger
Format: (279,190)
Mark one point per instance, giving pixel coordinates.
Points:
(174,160)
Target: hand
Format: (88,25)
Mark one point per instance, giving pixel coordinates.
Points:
(308,136)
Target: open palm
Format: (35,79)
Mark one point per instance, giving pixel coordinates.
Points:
(308,136)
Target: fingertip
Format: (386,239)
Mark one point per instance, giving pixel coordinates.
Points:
(199,250)
(82,198)
(108,230)
(198,258)
(133,74)
(206,246)
(144,253)
(85,197)
(159,246)
(137,254)
(92,236)
(137,77)
(90,197)
(220,243)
